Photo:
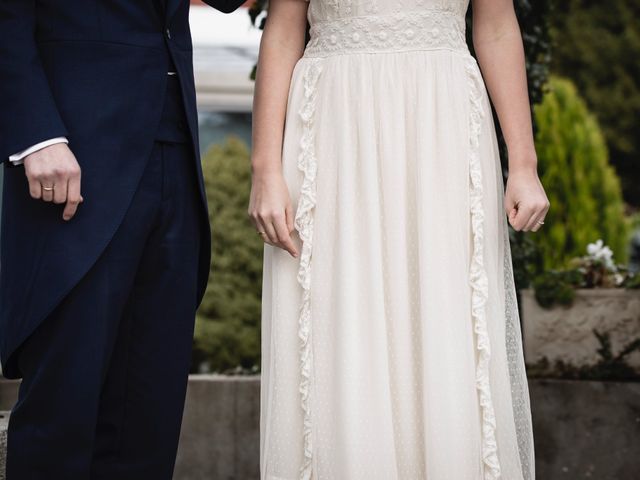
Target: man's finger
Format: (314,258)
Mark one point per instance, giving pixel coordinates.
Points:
(74,198)
(60,191)
(35,189)
(48,187)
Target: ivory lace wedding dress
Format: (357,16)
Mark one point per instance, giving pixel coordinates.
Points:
(391,348)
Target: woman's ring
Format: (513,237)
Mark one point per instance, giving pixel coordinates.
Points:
(540,222)
(48,189)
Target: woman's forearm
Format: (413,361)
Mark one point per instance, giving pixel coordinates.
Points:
(498,45)
(281,47)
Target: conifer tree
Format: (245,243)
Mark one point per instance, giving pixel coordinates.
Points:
(583,189)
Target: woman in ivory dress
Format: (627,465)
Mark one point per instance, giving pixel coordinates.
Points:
(390,338)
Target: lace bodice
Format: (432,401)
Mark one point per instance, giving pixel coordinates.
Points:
(328,10)
(369,26)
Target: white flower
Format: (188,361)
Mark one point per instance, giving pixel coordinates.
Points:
(600,252)
(605,253)
(594,248)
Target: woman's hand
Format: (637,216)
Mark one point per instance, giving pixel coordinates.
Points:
(271,211)
(526,203)
(281,46)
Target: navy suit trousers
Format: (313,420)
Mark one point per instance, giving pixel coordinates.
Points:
(105,375)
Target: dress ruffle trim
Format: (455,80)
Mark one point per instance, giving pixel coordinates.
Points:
(479,281)
(307,164)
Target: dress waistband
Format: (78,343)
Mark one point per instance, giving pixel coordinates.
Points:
(406,31)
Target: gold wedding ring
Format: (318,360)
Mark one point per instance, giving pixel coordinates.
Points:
(541,222)
(48,189)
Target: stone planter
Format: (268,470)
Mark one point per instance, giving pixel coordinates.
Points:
(566,333)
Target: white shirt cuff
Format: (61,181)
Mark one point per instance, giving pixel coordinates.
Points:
(18,158)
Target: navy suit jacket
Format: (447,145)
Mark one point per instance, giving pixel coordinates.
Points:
(95,72)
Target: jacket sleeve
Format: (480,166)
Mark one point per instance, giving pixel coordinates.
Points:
(28,113)
(226,6)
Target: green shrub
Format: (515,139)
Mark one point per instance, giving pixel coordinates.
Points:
(555,288)
(584,191)
(228,325)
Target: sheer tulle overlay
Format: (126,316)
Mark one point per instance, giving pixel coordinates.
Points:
(391,348)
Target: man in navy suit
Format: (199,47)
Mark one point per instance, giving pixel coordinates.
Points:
(105,235)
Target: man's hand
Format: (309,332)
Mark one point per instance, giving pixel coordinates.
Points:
(54,176)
